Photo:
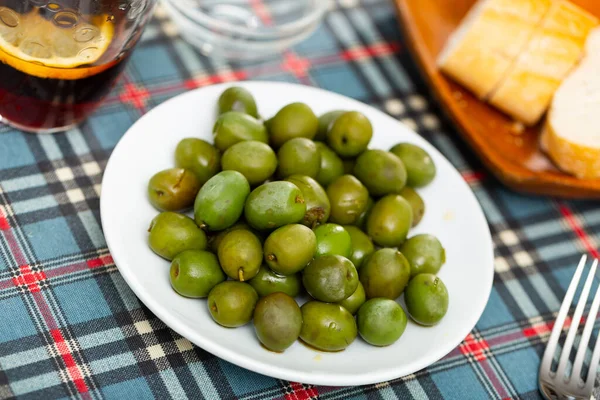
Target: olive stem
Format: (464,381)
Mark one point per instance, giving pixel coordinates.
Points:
(271,257)
(241,274)
(299,199)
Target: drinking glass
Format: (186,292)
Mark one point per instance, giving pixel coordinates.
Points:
(59,58)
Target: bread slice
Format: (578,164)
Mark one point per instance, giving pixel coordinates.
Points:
(481,50)
(592,45)
(572,134)
(555,48)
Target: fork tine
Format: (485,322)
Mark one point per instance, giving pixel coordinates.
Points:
(562,314)
(587,332)
(591,376)
(566,351)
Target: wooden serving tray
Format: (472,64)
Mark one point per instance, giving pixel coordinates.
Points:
(513,156)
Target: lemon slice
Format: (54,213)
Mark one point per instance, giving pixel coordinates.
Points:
(55,47)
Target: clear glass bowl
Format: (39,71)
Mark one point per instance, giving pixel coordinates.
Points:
(245,29)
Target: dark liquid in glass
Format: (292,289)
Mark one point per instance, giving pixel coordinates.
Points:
(46,103)
(60,58)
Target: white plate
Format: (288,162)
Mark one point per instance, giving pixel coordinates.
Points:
(453,215)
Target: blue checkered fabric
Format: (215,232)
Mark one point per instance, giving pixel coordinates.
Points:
(71,328)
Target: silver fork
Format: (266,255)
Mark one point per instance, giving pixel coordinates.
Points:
(554,384)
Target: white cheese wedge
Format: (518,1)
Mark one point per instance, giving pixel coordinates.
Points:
(480,52)
(555,48)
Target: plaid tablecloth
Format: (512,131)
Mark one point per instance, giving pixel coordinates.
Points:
(70,326)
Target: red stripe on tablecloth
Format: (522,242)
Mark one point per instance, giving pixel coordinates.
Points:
(59,271)
(72,368)
(546,327)
(296,65)
(538,330)
(216,78)
(7,283)
(4,225)
(45,311)
(100,262)
(28,277)
(578,229)
(67,269)
(507,338)
(493,378)
(301,393)
(135,95)
(14,247)
(474,347)
(373,50)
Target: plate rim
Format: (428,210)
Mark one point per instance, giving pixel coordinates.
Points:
(257,366)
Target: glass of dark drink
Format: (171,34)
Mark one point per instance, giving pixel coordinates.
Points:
(59,58)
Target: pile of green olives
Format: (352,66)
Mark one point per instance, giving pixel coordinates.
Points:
(298,206)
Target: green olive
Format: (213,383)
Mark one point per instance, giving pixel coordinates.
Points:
(290,248)
(215,239)
(220,202)
(426,299)
(331,165)
(361,221)
(350,134)
(420,167)
(327,326)
(424,253)
(195,272)
(416,203)
(381,172)
(253,159)
(330,278)
(390,220)
(362,245)
(267,282)
(240,254)
(292,121)
(356,299)
(298,156)
(348,198)
(333,239)
(238,99)
(171,233)
(231,303)
(173,189)
(198,156)
(385,274)
(325,121)
(234,127)
(317,203)
(381,322)
(274,204)
(277,321)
